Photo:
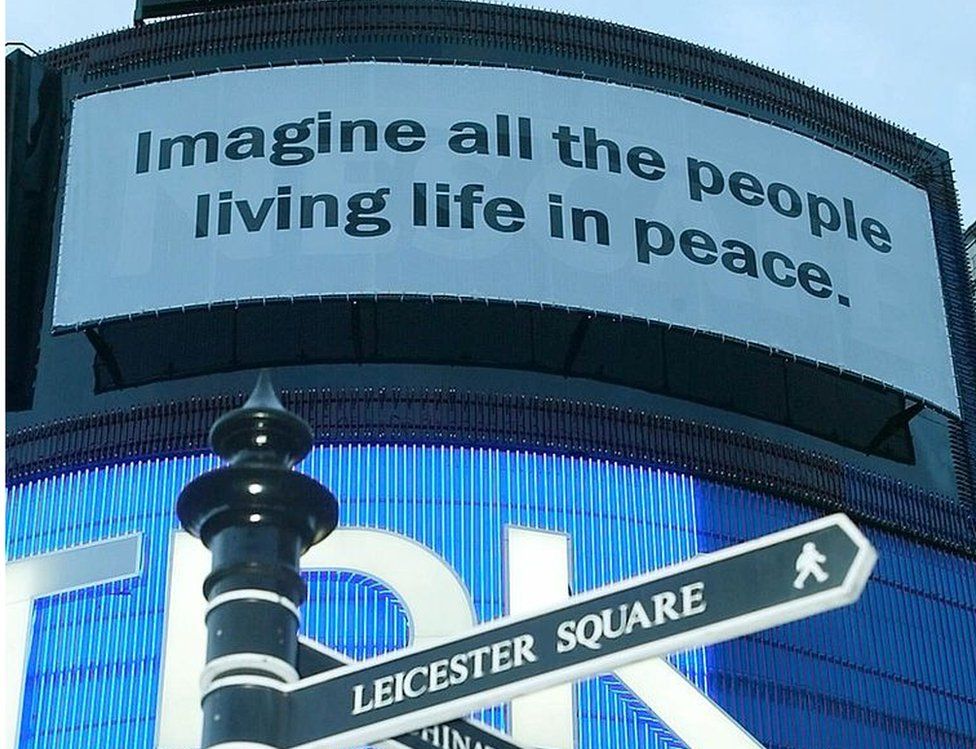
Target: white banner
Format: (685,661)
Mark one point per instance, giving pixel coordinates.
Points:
(381,178)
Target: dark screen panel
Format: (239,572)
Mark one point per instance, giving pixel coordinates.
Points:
(33,132)
(650,357)
(162,8)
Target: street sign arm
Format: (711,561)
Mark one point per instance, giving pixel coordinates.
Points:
(742,589)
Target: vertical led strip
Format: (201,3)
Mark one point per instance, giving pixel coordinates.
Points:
(93,674)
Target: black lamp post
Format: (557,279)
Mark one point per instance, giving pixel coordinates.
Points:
(257,517)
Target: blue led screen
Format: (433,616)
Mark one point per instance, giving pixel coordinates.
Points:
(870,675)
(896,670)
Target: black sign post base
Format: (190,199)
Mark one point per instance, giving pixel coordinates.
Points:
(257,517)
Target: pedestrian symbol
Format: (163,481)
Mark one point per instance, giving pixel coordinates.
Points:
(808,563)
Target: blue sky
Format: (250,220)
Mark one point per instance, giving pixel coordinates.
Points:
(912,63)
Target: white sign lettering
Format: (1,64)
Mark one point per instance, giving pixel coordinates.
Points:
(440,674)
(591,629)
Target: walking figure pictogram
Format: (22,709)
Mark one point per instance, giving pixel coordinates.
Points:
(808,563)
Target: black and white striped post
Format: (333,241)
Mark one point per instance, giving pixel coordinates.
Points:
(257,517)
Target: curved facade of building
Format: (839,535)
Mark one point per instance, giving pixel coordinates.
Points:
(564,302)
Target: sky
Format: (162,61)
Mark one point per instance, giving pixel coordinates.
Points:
(913,63)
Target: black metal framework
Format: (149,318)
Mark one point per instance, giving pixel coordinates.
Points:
(163,8)
(549,424)
(651,357)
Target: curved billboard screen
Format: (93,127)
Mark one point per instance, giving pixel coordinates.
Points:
(431,180)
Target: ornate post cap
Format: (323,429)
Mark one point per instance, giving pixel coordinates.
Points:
(261,442)
(261,431)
